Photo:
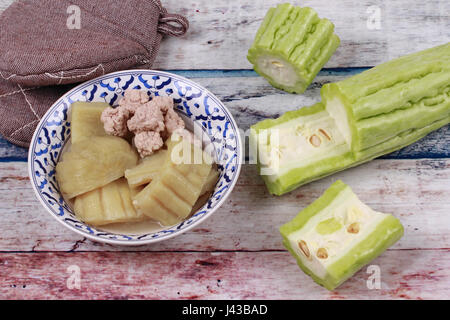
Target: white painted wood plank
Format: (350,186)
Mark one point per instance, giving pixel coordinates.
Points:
(222,31)
(416,191)
(5,4)
(405,274)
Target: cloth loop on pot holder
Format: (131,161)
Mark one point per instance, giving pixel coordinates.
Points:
(173,24)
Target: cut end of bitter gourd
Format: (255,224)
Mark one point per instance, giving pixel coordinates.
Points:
(337,235)
(298,147)
(291,46)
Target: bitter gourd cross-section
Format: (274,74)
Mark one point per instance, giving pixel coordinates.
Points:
(337,235)
(291,46)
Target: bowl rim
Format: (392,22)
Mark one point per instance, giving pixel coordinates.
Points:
(239,151)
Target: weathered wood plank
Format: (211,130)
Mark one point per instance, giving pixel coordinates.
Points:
(10,152)
(416,191)
(222,31)
(251,99)
(405,274)
(5,4)
(227,28)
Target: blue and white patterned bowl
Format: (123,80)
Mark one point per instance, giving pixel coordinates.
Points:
(191,99)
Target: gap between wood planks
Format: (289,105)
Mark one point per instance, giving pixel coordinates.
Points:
(230,73)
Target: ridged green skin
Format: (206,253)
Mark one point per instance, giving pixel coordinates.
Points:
(383,117)
(298,37)
(384,236)
(394,98)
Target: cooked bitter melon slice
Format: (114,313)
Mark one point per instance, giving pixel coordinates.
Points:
(85,120)
(109,204)
(169,198)
(93,163)
(147,170)
(211,181)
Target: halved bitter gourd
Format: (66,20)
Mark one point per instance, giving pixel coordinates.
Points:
(169,198)
(387,106)
(337,235)
(85,120)
(368,115)
(298,147)
(291,46)
(109,204)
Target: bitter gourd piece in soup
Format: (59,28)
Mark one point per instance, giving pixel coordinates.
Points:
(109,204)
(291,46)
(337,235)
(170,197)
(147,170)
(93,163)
(85,120)
(211,181)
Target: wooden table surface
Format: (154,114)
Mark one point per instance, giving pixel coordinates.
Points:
(237,253)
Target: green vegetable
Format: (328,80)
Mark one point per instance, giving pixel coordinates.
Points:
(304,145)
(392,100)
(333,257)
(328,226)
(368,115)
(291,46)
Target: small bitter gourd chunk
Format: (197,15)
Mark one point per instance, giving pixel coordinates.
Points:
(170,197)
(337,235)
(109,204)
(85,120)
(147,170)
(291,46)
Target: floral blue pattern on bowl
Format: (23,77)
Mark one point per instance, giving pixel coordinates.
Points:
(190,99)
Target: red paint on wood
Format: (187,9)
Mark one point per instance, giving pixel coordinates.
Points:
(232,275)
